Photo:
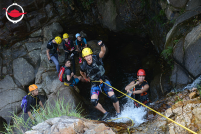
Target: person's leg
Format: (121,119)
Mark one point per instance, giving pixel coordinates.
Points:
(56,62)
(95,90)
(108,90)
(80,78)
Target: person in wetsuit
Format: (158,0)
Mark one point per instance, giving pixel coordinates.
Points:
(139,88)
(80,44)
(33,100)
(69,49)
(53,51)
(93,70)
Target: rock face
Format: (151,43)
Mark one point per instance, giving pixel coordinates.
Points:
(71,125)
(23,71)
(10,97)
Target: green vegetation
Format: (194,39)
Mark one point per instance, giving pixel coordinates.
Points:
(60,109)
(167,53)
(86,3)
(199,89)
(177,96)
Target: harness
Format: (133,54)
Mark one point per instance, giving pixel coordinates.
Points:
(80,43)
(95,71)
(36,102)
(143,97)
(67,45)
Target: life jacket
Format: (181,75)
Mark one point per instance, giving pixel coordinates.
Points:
(80,43)
(24,103)
(143,97)
(95,71)
(68,45)
(54,47)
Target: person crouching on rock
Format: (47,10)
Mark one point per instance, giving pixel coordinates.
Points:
(80,44)
(69,49)
(33,100)
(71,79)
(95,72)
(53,51)
(139,89)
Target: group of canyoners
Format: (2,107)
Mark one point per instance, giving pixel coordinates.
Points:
(91,69)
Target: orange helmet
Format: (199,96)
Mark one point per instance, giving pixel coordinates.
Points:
(32,87)
(141,72)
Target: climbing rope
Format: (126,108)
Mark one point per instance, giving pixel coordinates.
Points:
(150,108)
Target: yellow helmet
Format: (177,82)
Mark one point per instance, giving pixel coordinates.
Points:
(58,40)
(86,51)
(32,87)
(65,36)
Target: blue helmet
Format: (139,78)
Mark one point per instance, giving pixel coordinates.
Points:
(77,35)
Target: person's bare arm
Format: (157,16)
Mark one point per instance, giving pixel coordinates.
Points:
(84,76)
(129,86)
(144,89)
(103,50)
(48,55)
(85,45)
(30,115)
(41,104)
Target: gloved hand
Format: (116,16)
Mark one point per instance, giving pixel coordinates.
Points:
(50,61)
(100,43)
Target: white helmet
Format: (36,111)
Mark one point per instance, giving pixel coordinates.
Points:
(77,35)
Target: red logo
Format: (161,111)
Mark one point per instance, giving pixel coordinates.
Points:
(14,13)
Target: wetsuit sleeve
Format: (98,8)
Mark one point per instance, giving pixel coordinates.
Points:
(82,68)
(85,41)
(49,46)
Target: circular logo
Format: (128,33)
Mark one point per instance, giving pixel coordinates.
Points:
(14,13)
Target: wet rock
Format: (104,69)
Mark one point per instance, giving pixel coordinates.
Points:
(71,125)
(178,3)
(35,56)
(6,56)
(109,14)
(52,31)
(169,113)
(10,96)
(33,46)
(36,33)
(179,77)
(23,71)
(192,95)
(50,10)
(170,13)
(178,51)
(192,4)
(18,52)
(4,70)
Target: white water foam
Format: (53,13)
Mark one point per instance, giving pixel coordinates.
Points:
(136,114)
(194,84)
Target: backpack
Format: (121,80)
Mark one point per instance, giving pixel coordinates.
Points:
(61,73)
(24,103)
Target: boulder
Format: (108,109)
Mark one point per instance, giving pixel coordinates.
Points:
(35,56)
(193,4)
(36,33)
(71,125)
(192,53)
(23,71)
(10,97)
(178,3)
(108,12)
(52,31)
(4,70)
(33,46)
(18,52)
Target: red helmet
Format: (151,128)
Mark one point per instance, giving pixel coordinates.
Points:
(141,72)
